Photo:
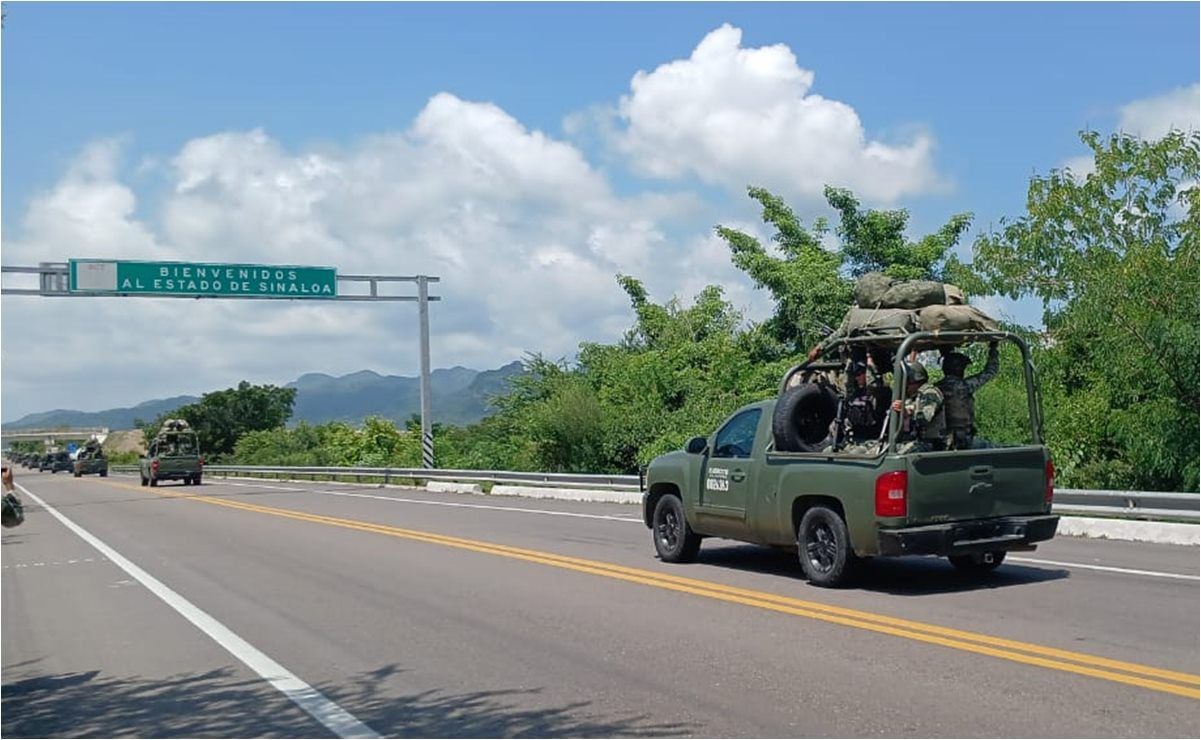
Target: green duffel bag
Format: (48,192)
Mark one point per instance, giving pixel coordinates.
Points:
(875,289)
(955,318)
(870,289)
(860,321)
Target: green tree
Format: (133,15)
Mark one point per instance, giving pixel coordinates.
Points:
(875,240)
(811,282)
(810,293)
(1113,256)
(220,418)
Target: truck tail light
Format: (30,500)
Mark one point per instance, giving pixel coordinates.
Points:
(1049,490)
(892,493)
(154,466)
(202,461)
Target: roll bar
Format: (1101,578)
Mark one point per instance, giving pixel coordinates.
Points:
(921,341)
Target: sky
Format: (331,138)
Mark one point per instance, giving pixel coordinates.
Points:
(526,154)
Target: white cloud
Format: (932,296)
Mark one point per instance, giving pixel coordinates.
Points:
(89,213)
(1151,118)
(734,116)
(526,235)
(1080,167)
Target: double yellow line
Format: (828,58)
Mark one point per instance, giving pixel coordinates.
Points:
(1134,674)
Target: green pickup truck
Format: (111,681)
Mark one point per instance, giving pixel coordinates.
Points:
(91,460)
(174,454)
(839,506)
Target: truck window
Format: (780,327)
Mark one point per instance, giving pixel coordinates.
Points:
(737,437)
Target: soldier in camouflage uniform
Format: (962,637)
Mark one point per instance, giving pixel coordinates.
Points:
(958,392)
(923,422)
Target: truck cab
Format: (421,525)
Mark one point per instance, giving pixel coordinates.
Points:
(838,504)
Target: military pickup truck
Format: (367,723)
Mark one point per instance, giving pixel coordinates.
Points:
(839,507)
(91,460)
(174,454)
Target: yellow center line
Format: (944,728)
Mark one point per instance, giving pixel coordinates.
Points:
(1012,650)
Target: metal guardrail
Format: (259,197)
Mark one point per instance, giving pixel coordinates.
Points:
(1119,504)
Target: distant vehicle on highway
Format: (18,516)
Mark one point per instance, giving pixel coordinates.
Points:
(839,506)
(91,459)
(174,454)
(56,461)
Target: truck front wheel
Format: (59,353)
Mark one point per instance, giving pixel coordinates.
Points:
(674,539)
(824,548)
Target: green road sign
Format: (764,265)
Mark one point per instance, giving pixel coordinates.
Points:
(202,279)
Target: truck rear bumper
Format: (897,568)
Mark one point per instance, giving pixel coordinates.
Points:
(961,538)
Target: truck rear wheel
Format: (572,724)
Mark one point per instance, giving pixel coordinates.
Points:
(674,539)
(978,563)
(824,548)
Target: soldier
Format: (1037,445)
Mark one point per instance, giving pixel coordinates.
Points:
(959,403)
(922,417)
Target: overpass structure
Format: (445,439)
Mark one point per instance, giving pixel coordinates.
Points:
(52,437)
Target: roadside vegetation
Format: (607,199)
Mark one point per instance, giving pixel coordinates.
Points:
(1111,253)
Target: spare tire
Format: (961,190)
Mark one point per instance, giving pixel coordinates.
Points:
(801,421)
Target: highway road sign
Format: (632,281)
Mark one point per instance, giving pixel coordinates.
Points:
(124,277)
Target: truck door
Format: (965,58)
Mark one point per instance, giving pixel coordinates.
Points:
(728,478)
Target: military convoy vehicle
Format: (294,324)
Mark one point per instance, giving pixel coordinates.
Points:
(781,473)
(174,454)
(56,461)
(91,459)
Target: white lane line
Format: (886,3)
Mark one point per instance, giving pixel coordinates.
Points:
(321,708)
(520,510)
(1110,569)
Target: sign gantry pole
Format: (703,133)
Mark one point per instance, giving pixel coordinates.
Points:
(427,432)
(93,278)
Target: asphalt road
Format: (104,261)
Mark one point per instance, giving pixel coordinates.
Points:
(246,609)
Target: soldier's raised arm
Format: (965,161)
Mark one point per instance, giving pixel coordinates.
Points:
(990,369)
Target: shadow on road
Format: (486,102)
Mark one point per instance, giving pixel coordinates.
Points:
(496,713)
(907,576)
(87,704)
(219,704)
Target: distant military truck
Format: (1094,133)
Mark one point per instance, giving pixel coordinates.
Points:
(174,454)
(57,461)
(91,460)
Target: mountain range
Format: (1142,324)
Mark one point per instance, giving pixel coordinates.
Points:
(459,396)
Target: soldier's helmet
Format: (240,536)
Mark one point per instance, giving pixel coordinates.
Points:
(916,372)
(955,363)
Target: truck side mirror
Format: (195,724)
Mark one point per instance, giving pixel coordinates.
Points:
(696,445)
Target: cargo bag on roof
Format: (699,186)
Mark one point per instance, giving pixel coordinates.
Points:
(955,318)
(867,321)
(875,289)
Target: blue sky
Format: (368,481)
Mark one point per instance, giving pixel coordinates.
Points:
(150,127)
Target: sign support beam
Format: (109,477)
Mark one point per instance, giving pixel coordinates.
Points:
(55,280)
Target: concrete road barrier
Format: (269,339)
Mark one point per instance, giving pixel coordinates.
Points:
(569,494)
(442,486)
(1168,533)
